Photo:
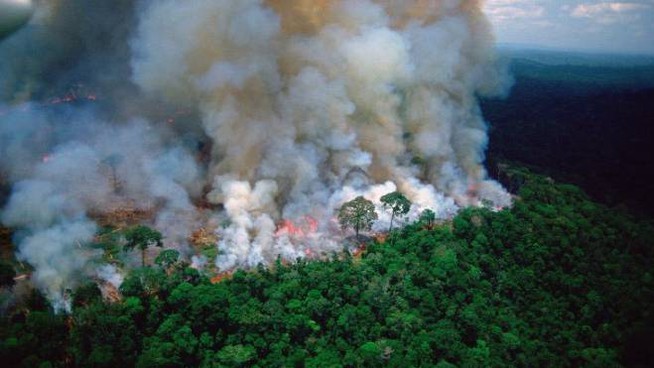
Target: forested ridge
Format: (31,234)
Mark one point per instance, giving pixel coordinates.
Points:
(556,281)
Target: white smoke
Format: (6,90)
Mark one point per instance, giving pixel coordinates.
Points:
(109,273)
(294,107)
(302,97)
(59,258)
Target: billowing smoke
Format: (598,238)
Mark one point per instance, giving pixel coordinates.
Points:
(256,119)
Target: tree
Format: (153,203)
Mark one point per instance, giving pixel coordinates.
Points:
(236,355)
(428,217)
(397,203)
(142,237)
(358,214)
(145,281)
(167,258)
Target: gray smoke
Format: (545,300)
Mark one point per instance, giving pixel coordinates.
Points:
(275,112)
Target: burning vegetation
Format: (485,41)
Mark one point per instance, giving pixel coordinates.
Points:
(239,132)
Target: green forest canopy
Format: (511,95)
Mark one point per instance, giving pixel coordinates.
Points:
(557,280)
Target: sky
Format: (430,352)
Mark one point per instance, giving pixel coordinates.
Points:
(579,25)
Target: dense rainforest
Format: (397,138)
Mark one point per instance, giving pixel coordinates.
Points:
(557,280)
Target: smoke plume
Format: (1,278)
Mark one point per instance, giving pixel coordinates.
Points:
(256,119)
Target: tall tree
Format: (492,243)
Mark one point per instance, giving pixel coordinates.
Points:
(397,203)
(358,214)
(167,259)
(428,217)
(142,237)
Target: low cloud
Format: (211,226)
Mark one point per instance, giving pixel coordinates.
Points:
(501,10)
(608,13)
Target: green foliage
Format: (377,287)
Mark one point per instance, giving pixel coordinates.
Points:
(428,217)
(370,352)
(86,294)
(143,281)
(167,258)
(397,203)
(555,281)
(210,251)
(236,355)
(109,240)
(34,339)
(142,237)
(358,214)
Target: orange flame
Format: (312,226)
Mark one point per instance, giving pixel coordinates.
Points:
(288,227)
(222,276)
(77,93)
(312,224)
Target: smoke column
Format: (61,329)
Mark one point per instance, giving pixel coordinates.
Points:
(290,109)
